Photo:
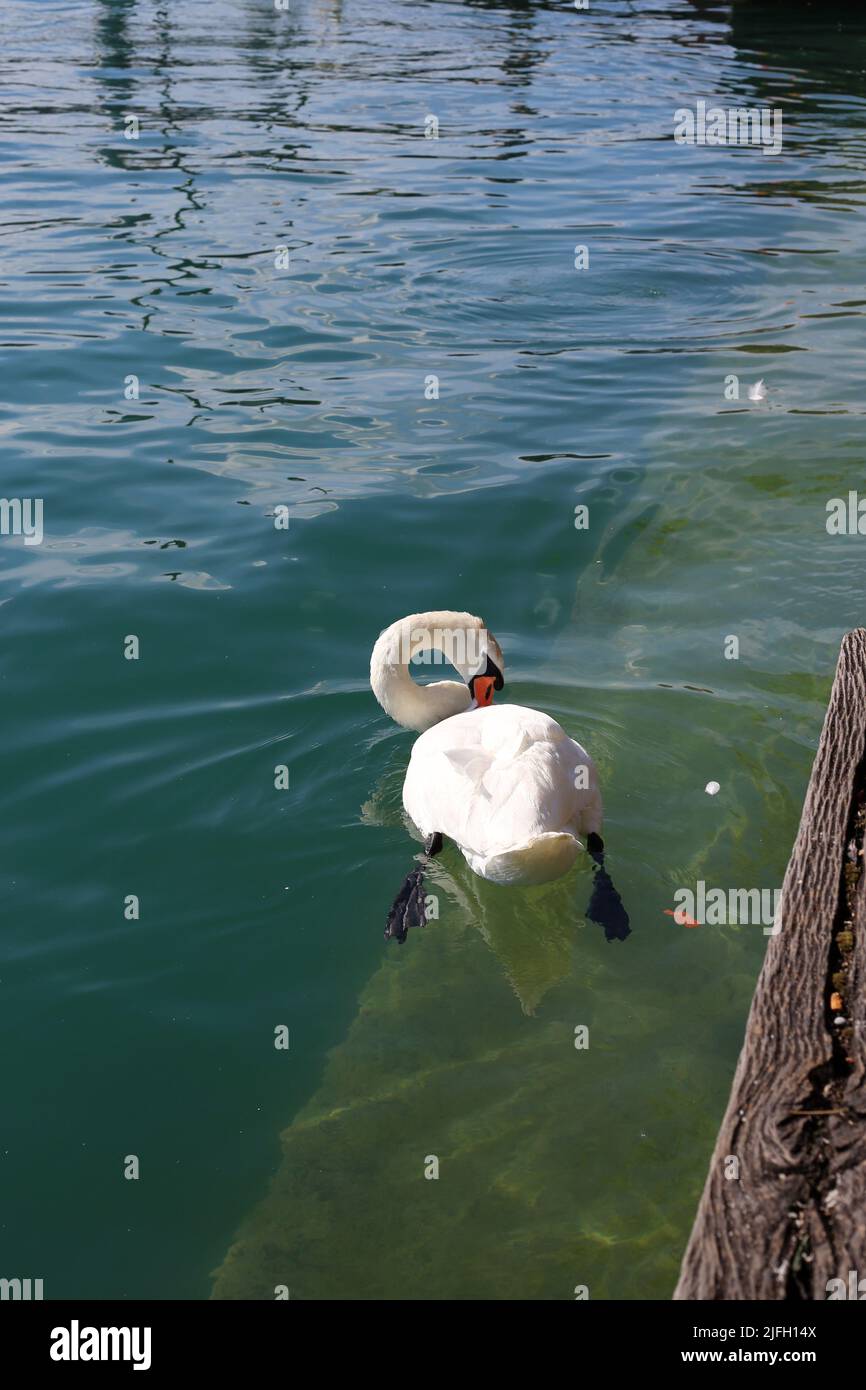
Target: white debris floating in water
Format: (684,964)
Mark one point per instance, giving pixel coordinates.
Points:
(711,788)
(758,392)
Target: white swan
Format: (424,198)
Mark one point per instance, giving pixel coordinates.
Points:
(505,783)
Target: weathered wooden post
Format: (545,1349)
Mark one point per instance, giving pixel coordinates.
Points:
(783,1211)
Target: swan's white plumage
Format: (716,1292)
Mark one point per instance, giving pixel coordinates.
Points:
(500,782)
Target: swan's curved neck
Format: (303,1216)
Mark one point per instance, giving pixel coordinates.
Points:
(421,706)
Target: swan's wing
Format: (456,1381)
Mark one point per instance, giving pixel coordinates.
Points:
(492,779)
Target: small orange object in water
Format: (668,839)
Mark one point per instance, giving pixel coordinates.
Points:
(682,917)
(836,1003)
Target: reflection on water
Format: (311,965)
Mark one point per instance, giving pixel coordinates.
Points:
(531,1195)
(155,260)
(530,933)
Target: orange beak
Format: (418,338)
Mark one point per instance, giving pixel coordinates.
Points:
(484,690)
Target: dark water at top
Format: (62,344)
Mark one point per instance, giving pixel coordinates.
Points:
(304,387)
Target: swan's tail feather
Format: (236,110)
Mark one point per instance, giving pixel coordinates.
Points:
(605,906)
(408,909)
(545,857)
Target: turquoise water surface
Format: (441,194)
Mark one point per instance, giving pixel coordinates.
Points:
(295,378)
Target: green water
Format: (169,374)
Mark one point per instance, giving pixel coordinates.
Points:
(305,387)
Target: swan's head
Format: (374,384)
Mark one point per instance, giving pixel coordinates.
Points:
(462,640)
(487,678)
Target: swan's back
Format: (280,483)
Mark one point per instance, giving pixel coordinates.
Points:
(495,780)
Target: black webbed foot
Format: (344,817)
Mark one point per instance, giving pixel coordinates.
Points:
(409,908)
(605,906)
